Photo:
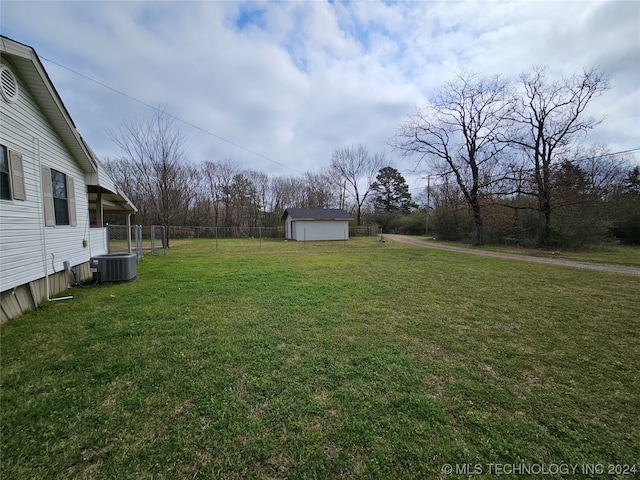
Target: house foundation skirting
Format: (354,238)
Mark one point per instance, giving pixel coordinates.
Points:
(18,300)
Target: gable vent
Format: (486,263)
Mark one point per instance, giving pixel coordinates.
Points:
(8,84)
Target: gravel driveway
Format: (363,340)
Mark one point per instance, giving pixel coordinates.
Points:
(603,267)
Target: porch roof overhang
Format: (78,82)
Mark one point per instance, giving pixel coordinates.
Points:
(110,201)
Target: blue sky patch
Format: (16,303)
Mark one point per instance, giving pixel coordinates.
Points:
(250,15)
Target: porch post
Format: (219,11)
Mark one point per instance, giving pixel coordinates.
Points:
(129,232)
(99,211)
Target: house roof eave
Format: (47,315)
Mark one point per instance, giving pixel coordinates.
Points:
(31,71)
(26,61)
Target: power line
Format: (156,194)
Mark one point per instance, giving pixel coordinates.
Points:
(505,174)
(192,125)
(613,154)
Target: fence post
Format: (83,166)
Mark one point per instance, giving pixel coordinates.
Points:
(139,252)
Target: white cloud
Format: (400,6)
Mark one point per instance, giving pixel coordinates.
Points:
(294,80)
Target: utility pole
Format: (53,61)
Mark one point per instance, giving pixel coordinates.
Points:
(426,230)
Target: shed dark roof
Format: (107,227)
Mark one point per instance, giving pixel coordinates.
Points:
(316,214)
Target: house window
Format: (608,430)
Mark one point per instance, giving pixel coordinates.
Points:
(11,175)
(60,202)
(59,198)
(5,178)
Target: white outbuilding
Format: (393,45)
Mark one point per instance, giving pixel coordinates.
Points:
(310,224)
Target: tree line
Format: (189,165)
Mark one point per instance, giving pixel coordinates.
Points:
(504,159)
(170,191)
(511,153)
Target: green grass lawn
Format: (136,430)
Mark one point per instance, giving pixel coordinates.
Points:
(324,360)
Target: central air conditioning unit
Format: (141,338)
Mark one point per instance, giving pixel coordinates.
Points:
(114,267)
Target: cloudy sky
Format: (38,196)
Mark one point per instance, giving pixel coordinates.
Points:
(289,82)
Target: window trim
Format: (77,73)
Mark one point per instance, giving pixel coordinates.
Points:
(50,219)
(60,202)
(4,151)
(15,174)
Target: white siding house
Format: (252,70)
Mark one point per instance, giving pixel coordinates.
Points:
(310,224)
(52,185)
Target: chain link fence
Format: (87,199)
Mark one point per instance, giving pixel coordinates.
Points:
(151,238)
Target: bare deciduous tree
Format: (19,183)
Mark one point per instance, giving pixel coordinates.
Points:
(319,190)
(219,177)
(603,171)
(125,175)
(461,131)
(551,116)
(287,193)
(261,188)
(355,169)
(155,150)
(312,190)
